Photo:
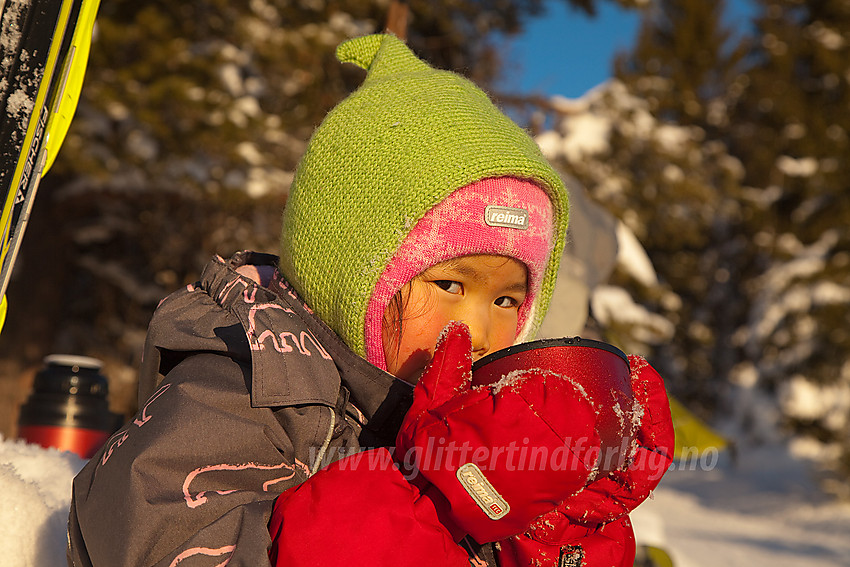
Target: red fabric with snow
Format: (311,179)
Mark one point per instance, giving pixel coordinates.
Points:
(531,435)
(596,519)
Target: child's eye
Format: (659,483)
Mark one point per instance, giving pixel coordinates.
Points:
(449,286)
(506,302)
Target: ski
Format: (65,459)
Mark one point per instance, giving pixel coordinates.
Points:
(44,47)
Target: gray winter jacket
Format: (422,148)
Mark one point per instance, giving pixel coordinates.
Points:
(246,395)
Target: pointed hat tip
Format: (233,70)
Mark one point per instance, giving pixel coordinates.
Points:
(380,54)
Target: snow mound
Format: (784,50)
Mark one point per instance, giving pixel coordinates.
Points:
(36,487)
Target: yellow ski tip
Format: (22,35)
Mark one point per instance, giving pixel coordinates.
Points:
(2,312)
(74,70)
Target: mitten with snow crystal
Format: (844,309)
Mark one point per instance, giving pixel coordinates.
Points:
(593,525)
(496,456)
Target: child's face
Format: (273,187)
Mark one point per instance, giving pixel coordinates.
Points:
(483,291)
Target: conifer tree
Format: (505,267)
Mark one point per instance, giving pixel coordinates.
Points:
(685,195)
(792,132)
(684,61)
(766,288)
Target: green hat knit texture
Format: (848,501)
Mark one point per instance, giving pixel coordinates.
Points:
(397,146)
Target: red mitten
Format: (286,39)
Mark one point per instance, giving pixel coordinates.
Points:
(500,455)
(596,519)
(610,545)
(359,510)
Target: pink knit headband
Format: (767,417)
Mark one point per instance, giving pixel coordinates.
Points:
(502,216)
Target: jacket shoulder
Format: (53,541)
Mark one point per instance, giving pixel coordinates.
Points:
(260,323)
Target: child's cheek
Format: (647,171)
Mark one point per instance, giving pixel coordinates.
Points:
(506,331)
(505,338)
(433,324)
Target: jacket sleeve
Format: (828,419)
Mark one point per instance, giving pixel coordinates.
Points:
(193,475)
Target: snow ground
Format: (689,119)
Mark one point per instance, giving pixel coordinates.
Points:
(762,510)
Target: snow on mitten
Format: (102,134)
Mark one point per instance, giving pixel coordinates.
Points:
(497,456)
(596,519)
(608,545)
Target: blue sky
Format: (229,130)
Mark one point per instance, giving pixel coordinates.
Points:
(565,52)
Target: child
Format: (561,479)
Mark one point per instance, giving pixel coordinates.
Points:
(416,204)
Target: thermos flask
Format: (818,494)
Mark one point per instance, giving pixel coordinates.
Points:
(68,406)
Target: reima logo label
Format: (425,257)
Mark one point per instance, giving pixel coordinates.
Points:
(507,217)
(477,485)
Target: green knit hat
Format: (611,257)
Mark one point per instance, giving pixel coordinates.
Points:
(397,146)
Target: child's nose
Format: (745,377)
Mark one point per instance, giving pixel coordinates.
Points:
(479,329)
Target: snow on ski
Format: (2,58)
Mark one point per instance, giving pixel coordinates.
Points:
(44,48)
